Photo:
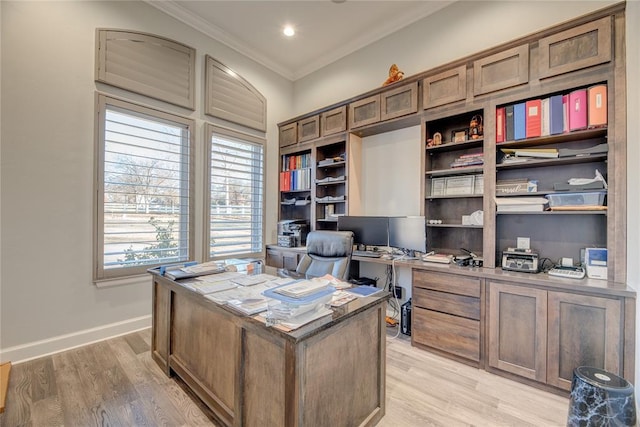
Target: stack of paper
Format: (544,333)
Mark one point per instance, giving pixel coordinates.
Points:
(521,204)
(303,288)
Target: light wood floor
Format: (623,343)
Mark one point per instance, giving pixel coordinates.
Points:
(115,383)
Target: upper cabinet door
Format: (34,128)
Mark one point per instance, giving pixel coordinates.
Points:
(444,88)
(502,70)
(309,129)
(364,112)
(580,47)
(334,121)
(399,101)
(288,134)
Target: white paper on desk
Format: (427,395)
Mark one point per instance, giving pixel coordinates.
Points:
(305,318)
(210,287)
(247,280)
(227,275)
(277,281)
(239,293)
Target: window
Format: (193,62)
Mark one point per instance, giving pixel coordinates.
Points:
(235,189)
(144,189)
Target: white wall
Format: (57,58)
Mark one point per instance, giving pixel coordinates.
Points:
(391,171)
(48,300)
(633,160)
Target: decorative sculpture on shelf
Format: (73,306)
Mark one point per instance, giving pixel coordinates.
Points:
(394,75)
(476,129)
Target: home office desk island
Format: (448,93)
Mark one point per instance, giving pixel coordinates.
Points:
(327,373)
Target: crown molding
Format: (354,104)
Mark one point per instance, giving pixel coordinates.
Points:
(174,9)
(377,33)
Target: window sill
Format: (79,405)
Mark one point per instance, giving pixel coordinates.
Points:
(121,281)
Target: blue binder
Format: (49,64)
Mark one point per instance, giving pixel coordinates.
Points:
(556,119)
(519,121)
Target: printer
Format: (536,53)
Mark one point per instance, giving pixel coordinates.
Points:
(292,232)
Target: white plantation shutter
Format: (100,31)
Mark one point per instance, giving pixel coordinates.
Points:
(230,97)
(147,64)
(144,189)
(236,191)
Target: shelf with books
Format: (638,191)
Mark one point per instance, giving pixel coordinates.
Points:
(295,184)
(549,144)
(558,113)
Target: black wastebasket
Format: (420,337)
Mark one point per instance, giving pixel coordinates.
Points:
(600,398)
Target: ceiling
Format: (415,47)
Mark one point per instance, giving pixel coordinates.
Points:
(326,30)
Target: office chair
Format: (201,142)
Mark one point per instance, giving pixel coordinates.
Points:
(328,252)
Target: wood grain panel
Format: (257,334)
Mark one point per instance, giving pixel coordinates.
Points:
(264,375)
(364,112)
(500,71)
(580,47)
(583,331)
(458,305)
(309,128)
(288,134)
(449,333)
(445,88)
(161,313)
(518,330)
(347,363)
(195,343)
(452,283)
(399,101)
(334,121)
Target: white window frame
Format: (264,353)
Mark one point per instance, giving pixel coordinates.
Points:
(103,102)
(210,131)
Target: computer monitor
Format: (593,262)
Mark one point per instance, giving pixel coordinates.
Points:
(367,230)
(408,233)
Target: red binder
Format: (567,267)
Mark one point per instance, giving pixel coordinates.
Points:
(578,110)
(534,118)
(597,106)
(501,125)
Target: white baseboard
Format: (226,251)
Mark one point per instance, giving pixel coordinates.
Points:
(33,350)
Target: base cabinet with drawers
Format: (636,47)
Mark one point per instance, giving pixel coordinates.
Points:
(544,335)
(446,310)
(534,330)
(281,257)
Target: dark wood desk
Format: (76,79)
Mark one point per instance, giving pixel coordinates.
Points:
(328,373)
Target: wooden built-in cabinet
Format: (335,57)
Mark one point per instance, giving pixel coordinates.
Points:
(517,332)
(399,102)
(501,70)
(454,184)
(392,103)
(526,320)
(288,134)
(580,47)
(309,128)
(446,310)
(333,121)
(543,335)
(287,258)
(364,111)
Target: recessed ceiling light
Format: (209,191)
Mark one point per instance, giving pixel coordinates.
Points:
(288,31)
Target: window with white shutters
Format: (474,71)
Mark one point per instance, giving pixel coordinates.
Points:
(236,193)
(144,189)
